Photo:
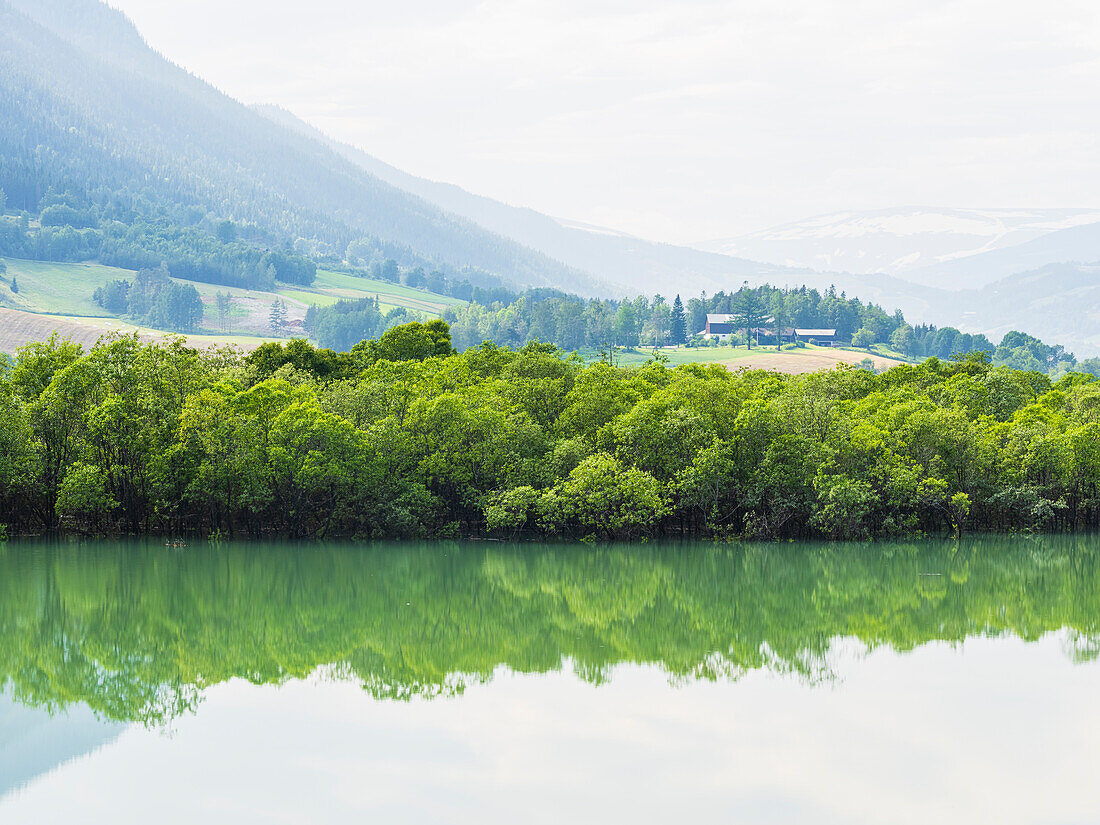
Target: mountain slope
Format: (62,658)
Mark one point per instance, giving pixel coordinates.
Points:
(1059,303)
(87,106)
(635,264)
(912,242)
(1076,244)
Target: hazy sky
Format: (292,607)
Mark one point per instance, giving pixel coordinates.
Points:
(679,121)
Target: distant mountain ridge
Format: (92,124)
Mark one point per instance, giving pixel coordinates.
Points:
(930,246)
(1078,244)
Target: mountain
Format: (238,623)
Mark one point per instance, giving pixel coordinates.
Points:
(635,265)
(1059,303)
(930,246)
(86,106)
(1076,244)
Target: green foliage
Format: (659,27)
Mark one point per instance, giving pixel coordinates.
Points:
(863,338)
(677,333)
(601,497)
(154,299)
(321,364)
(83,498)
(750,312)
(404,436)
(408,342)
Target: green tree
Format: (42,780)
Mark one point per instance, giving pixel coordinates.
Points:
(778,308)
(408,342)
(749,311)
(604,498)
(626,326)
(226,232)
(903,340)
(277,317)
(177,307)
(678,329)
(864,338)
(223,301)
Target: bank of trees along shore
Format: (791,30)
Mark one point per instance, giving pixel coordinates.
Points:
(402,436)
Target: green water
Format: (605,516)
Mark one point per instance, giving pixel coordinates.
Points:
(451,681)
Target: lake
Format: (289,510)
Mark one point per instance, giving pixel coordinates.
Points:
(485,682)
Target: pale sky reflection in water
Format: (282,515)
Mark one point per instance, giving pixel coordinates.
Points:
(996,730)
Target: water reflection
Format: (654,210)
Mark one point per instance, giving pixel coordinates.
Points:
(34,742)
(140,632)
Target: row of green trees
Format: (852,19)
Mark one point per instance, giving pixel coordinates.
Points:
(122,230)
(404,436)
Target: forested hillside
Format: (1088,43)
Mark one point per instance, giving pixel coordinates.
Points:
(146,163)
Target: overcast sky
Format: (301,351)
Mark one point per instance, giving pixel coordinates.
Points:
(679,121)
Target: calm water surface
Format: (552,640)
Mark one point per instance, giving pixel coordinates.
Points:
(893,683)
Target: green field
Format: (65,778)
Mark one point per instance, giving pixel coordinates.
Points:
(348,286)
(62,289)
(319,299)
(63,292)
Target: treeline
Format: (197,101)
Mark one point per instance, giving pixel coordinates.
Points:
(153,299)
(402,436)
(126,230)
(573,323)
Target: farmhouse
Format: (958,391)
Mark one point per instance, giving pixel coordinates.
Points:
(821,337)
(720,326)
(723,325)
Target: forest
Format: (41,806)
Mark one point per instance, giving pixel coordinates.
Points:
(404,436)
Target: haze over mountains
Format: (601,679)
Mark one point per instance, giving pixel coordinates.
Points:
(87,104)
(911,242)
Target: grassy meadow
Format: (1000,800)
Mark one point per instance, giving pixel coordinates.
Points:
(58,297)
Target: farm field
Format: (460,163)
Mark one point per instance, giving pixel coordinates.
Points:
(58,296)
(18,328)
(338,285)
(808,359)
(63,289)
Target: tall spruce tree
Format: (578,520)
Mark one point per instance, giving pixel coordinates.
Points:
(277,319)
(677,333)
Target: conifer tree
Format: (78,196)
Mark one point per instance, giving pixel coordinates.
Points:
(678,328)
(277,319)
